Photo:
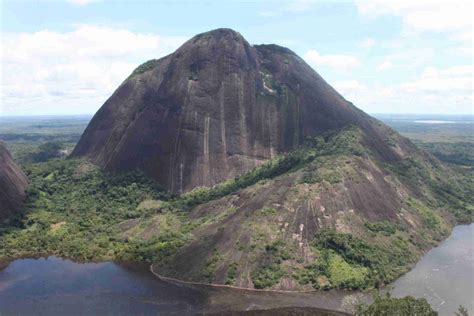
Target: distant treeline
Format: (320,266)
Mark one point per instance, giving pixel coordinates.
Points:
(38,137)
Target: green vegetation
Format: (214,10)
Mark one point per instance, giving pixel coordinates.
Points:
(346,142)
(276,253)
(44,152)
(35,131)
(461,153)
(330,270)
(211,266)
(231,273)
(203,36)
(35,139)
(275,48)
(345,275)
(271,271)
(267,170)
(267,211)
(452,142)
(389,306)
(331,176)
(455,193)
(72,211)
(267,276)
(75,210)
(157,248)
(385,227)
(146,66)
(432,220)
(369,265)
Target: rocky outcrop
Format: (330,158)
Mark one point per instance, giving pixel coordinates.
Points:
(354,208)
(218,107)
(13,184)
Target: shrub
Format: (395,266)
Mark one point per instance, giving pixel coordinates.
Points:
(383,264)
(406,306)
(267,276)
(231,273)
(384,227)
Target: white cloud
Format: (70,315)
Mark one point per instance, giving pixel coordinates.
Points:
(367,43)
(423,15)
(349,86)
(71,72)
(336,61)
(453,17)
(435,90)
(82,2)
(454,80)
(386,65)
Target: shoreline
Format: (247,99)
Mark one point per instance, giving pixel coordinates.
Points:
(223,297)
(5,261)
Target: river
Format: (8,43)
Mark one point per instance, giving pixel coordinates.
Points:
(55,286)
(445,275)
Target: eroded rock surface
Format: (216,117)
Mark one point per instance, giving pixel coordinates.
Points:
(13,184)
(215,108)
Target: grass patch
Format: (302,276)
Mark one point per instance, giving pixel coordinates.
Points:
(345,275)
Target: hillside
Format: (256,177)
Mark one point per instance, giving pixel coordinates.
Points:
(329,216)
(218,107)
(13,184)
(265,177)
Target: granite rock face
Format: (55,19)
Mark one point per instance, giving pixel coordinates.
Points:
(218,107)
(13,184)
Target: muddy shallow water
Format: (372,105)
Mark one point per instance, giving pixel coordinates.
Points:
(54,286)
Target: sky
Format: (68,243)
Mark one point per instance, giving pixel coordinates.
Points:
(68,56)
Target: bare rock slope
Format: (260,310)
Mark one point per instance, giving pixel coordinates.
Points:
(303,190)
(13,184)
(215,108)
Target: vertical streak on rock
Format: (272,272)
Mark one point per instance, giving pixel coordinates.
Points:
(242,118)
(178,133)
(270,134)
(206,149)
(297,123)
(181,176)
(170,171)
(222,118)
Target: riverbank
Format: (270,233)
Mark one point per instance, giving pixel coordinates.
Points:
(55,286)
(66,278)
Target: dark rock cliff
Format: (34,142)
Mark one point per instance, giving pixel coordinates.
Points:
(215,108)
(13,184)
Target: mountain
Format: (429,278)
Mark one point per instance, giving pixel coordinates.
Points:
(282,183)
(216,108)
(13,184)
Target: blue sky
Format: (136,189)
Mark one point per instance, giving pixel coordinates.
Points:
(67,57)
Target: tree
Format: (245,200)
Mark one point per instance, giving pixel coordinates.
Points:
(389,306)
